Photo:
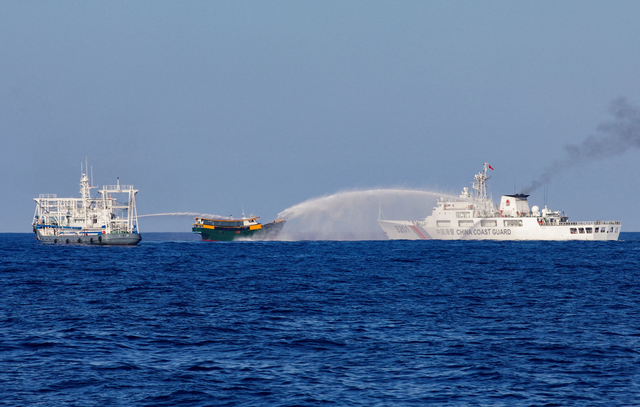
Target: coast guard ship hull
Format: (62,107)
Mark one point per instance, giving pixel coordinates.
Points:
(476,218)
(530,230)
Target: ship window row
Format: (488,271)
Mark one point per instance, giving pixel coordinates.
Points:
(463,214)
(485,223)
(228,224)
(513,222)
(575,231)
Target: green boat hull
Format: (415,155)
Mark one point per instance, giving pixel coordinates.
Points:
(219,235)
(268,231)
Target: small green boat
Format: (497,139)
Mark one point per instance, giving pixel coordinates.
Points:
(219,229)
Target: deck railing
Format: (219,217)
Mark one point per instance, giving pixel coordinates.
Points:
(115,188)
(599,222)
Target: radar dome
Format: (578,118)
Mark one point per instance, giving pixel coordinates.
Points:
(535,208)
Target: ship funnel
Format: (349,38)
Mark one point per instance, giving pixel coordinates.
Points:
(514,205)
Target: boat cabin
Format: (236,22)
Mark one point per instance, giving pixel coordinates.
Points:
(229,223)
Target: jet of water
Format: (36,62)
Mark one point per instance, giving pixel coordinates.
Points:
(352,215)
(198,214)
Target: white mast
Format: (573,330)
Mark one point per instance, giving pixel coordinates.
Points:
(481,183)
(483,202)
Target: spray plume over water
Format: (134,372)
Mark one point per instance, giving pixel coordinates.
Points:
(352,215)
(346,215)
(614,138)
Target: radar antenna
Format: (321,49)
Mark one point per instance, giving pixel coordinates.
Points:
(481,183)
(484,205)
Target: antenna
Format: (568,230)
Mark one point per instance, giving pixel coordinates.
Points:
(92,175)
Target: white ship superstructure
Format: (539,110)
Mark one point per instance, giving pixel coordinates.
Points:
(477,218)
(110,218)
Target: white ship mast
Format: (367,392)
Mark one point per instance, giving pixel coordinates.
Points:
(481,183)
(484,204)
(85,192)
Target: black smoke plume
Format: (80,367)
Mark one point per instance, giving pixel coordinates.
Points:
(613,138)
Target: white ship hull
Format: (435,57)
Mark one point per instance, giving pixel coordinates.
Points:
(530,230)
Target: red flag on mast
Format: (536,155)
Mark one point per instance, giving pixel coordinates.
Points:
(490,167)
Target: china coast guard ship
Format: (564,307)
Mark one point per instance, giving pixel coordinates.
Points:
(477,218)
(103,220)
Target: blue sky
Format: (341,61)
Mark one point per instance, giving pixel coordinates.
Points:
(216,107)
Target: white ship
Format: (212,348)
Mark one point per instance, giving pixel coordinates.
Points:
(477,218)
(103,220)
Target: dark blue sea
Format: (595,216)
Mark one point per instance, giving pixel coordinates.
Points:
(180,322)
